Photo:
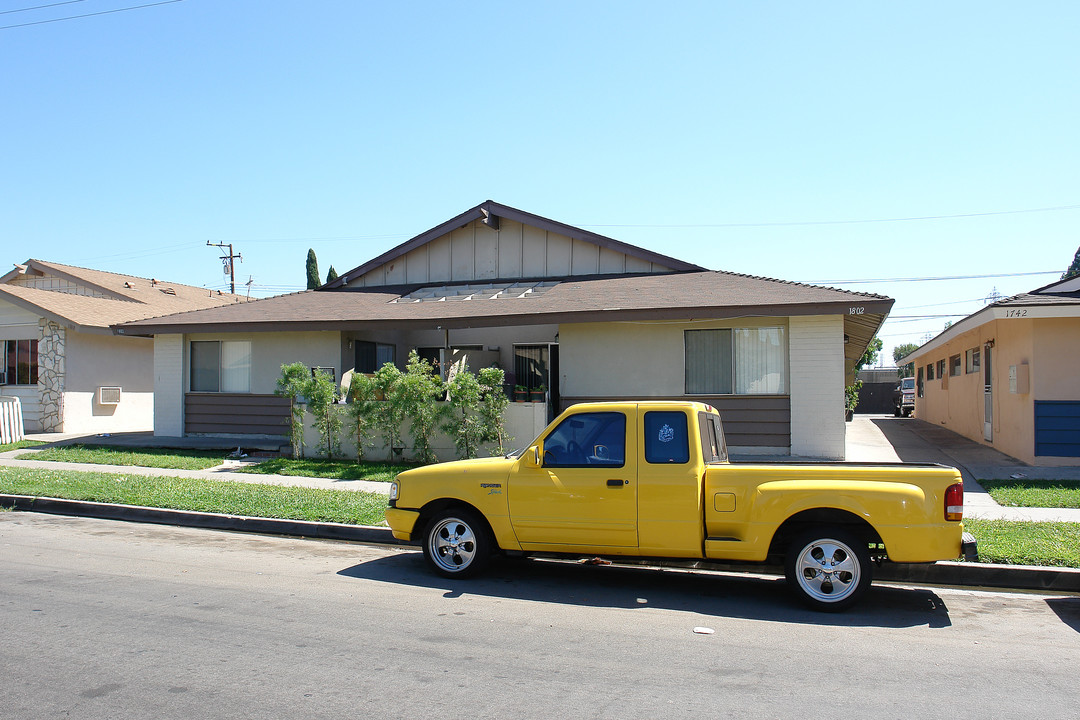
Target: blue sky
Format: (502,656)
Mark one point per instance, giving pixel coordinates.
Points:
(782,139)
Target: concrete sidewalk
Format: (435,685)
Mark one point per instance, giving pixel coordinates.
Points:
(225,471)
(884,438)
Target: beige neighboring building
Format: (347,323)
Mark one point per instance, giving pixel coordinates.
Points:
(570,315)
(1009,376)
(70,372)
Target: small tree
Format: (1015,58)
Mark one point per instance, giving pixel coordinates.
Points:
(391,411)
(321,393)
(899,353)
(493,402)
(1074,269)
(312,267)
(870,356)
(464,423)
(362,410)
(292,384)
(420,392)
(331,275)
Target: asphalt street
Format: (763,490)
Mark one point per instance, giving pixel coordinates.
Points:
(105,619)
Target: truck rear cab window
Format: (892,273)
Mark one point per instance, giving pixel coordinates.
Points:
(713,448)
(666,438)
(587,440)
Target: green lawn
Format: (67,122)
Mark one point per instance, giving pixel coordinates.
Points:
(1027,543)
(20,445)
(332,469)
(1034,493)
(143,457)
(230,498)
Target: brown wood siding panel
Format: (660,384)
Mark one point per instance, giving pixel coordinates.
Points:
(236,414)
(749,420)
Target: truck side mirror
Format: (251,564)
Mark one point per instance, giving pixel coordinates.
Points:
(532,456)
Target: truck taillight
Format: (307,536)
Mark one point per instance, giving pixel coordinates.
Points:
(954,502)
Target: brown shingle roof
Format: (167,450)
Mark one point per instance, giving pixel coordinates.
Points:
(704,294)
(127,297)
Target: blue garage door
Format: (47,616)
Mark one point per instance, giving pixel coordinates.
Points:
(1057,428)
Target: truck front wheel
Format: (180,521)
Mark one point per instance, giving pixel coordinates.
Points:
(456,544)
(828,568)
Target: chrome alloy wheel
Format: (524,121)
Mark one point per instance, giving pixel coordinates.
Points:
(827,570)
(452,545)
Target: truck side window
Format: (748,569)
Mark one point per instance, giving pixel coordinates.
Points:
(666,438)
(587,440)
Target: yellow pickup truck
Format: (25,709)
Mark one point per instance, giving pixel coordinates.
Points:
(653,480)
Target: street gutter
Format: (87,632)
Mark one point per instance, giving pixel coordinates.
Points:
(1017,577)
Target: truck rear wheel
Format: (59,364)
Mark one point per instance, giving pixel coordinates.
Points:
(457,544)
(828,568)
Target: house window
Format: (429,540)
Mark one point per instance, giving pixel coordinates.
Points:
(940,369)
(531,366)
(930,371)
(919,383)
(20,362)
(954,366)
(221,366)
(739,361)
(972,360)
(370,356)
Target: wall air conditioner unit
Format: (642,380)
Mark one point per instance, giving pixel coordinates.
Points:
(108,396)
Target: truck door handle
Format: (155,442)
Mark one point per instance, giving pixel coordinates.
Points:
(614,482)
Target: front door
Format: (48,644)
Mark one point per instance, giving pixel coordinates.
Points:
(585,490)
(988,397)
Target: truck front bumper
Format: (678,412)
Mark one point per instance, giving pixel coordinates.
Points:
(402,522)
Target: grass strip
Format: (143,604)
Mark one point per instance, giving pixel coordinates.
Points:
(213,496)
(1009,542)
(167,458)
(331,469)
(20,445)
(1034,493)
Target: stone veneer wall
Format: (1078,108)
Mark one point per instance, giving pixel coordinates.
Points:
(51,375)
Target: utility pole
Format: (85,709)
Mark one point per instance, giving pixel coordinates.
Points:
(227,262)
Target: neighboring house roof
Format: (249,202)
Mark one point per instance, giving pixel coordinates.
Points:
(93,300)
(1058,299)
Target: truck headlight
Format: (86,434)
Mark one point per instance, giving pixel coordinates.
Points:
(393,491)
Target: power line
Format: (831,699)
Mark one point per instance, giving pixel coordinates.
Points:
(931,279)
(39,7)
(848,222)
(76,17)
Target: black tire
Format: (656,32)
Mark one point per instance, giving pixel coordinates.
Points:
(828,568)
(457,543)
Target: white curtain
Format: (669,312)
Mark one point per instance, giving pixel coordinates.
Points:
(236,366)
(760,361)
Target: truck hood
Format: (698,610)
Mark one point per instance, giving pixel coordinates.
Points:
(492,466)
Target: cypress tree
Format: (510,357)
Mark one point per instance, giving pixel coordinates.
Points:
(312,270)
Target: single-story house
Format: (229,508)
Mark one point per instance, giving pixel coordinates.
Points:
(59,356)
(576,315)
(1007,375)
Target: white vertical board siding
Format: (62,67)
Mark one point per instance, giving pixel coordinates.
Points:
(462,255)
(510,249)
(439,259)
(477,253)
(534,252)
(169,385)
(584,258)
(816,344)
(486,244)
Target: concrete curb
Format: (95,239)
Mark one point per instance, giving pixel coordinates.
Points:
(208,521)
(1017,577)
